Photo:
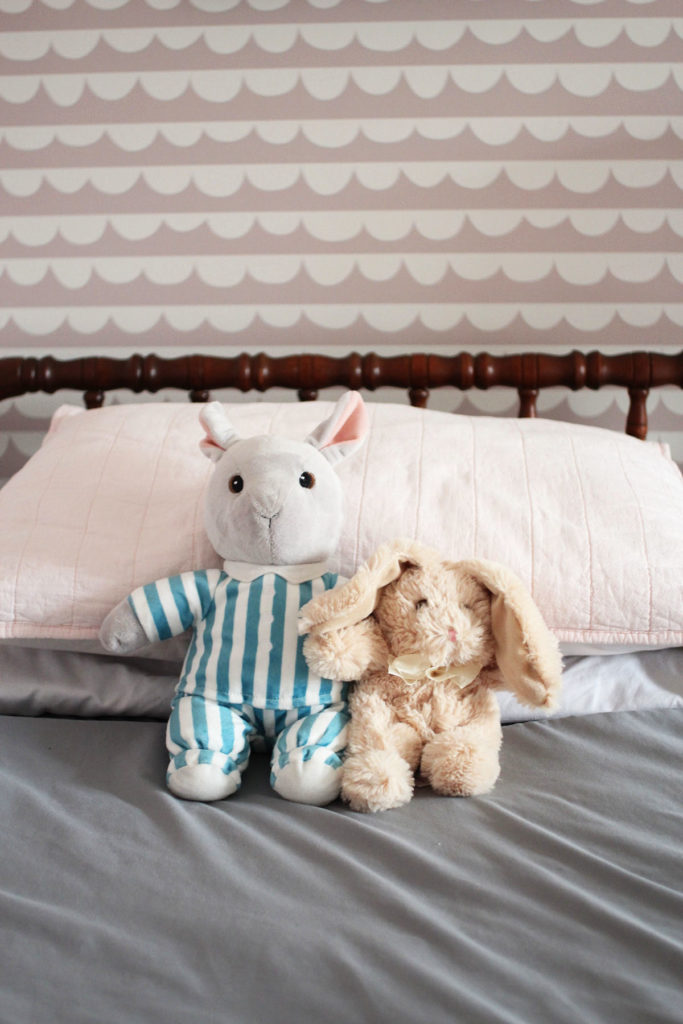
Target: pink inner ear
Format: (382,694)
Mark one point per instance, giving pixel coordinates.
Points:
(353,427)
(208,442)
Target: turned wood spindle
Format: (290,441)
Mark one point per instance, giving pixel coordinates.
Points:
(418,397)
(93,399)
(527,403)
(307,394)
(636,421)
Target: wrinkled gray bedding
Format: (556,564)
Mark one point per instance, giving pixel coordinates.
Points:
(558,898)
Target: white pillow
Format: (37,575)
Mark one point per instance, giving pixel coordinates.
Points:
(591,520)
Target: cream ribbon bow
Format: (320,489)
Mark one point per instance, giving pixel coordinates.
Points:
(413,668)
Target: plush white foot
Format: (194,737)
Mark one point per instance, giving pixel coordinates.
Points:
(307,782)
(203,782)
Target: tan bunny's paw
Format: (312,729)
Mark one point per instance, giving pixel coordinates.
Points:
(344,653)
(460,766)
(376,780)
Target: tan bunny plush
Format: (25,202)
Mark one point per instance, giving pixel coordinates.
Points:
(428,642)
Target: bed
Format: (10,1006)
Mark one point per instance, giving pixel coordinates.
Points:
(557,897)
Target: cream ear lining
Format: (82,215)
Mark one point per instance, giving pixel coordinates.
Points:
(527,653)
(528,658)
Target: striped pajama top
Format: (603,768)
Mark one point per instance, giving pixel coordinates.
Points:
(245,647)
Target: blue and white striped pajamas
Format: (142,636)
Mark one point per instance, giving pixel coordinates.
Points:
(244,678)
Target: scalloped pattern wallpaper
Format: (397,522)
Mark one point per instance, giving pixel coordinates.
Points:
(339,174)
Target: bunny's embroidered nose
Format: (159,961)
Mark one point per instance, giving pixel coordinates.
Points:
(267,498)
(452,635)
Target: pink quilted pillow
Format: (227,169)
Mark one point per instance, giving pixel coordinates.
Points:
(591,520)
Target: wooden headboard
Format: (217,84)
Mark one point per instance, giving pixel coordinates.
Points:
(418,374)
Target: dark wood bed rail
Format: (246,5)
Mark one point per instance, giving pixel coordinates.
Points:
(417,373)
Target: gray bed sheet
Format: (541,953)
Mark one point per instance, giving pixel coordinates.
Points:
(557,898)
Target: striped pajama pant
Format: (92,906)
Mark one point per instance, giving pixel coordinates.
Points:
(202,731)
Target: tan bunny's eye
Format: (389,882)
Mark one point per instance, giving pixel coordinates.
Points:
(422,603)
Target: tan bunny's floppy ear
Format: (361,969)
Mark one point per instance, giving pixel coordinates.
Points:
(527,653)
(354,600)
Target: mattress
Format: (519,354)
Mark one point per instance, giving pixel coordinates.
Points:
(558,897)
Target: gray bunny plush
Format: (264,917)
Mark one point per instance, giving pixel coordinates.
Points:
(273,512)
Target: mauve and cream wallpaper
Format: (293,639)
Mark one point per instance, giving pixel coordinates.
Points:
(188,175)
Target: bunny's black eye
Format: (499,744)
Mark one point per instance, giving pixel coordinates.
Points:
(236,483)
(307,480)
(422,603)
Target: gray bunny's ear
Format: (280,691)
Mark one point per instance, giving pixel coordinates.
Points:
(342,433)
(219,431)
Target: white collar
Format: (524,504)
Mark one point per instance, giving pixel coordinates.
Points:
(247,572)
